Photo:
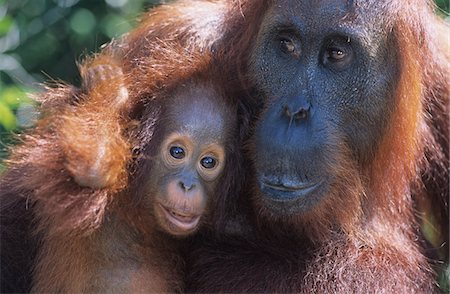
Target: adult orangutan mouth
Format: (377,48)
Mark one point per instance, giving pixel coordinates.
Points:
(181,220)
(287,192)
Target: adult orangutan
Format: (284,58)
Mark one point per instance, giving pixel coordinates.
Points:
(351,135)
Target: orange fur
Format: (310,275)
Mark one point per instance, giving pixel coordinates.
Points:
(395,164)
(362,238)
(94,145)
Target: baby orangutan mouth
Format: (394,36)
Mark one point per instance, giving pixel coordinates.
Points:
(180,220)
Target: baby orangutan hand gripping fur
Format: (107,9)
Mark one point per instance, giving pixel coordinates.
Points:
(173,188)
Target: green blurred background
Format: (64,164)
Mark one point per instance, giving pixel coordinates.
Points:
(41,40)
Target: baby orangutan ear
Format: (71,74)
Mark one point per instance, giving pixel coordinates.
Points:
(92,131)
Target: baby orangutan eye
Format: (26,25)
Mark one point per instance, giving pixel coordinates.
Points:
(177,152)
(208,162)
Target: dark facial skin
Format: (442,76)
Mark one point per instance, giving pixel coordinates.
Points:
(327,77)
(189,161)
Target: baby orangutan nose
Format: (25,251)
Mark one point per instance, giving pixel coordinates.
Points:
(186,185)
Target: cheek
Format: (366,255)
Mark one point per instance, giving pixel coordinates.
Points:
(366,115)
(373,103)
(157,180)
(210,189)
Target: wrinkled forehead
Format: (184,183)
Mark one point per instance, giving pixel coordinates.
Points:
(313,8)
(320,12)
(199,112)
(317,17)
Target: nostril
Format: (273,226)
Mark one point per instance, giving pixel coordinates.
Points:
(185,187)
(287,111)
(182,186)
(301,114)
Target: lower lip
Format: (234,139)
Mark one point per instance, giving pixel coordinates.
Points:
(282,193)
(187,224)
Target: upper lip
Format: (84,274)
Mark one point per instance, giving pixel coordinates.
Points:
(180,218)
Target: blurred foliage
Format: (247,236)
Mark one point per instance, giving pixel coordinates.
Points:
(443,7)
(42,40)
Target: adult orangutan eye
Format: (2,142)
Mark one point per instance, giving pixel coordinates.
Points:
(208,162)
(337,55)
(289,46)
(177,152)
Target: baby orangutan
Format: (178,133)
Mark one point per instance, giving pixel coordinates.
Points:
(175,182)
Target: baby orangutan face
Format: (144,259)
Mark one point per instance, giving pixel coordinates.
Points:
(190,160)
